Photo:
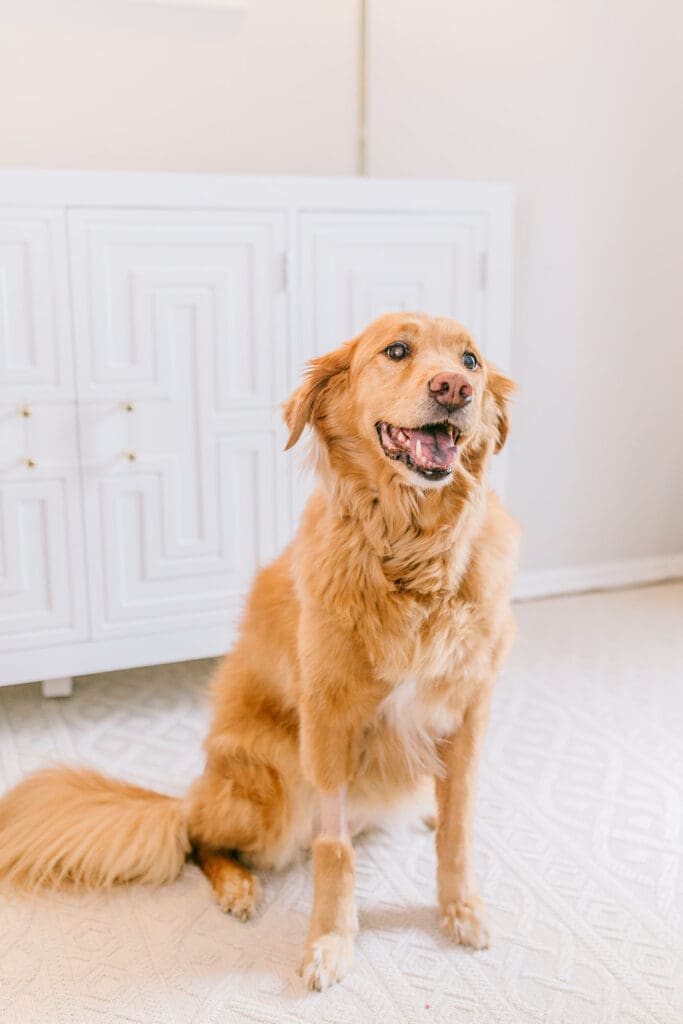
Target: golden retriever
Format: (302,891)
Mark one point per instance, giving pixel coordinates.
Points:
(365,663)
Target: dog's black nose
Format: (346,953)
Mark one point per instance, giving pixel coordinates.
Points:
(451,389)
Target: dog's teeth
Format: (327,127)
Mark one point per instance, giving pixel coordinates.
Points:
(402,437)
(418,449)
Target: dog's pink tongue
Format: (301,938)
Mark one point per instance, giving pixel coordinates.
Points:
(432,449)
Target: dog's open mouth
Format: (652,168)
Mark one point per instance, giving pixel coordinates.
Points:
(430,450)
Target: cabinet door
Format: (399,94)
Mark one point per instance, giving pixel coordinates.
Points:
(354,267)
(181,353)
(42,580)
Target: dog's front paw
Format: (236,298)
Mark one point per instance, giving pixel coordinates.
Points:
(466,923)
(326,960)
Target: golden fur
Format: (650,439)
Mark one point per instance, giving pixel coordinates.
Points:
(366,658)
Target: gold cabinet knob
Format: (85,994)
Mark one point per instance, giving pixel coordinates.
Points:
(26,411)
(130,455)
(30,462)
(128,406)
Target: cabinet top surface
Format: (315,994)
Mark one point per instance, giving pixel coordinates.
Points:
(163,189)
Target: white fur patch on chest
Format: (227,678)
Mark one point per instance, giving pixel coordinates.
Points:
(415,721)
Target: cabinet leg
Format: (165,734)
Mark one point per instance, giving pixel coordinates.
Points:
(62,687)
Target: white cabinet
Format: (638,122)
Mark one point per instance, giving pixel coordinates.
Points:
(180,341)
(42,575)
(150,327)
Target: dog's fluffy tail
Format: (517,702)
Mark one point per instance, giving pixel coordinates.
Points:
(68,826)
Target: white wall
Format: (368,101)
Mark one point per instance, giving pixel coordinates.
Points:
(580,104)
(113,85)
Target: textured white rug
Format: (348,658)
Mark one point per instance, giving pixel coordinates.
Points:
(579,844)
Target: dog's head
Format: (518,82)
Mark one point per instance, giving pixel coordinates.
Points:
(412,392)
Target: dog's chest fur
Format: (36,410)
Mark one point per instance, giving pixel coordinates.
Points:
(415,721)
(423,638)
(425,620)
(430,675)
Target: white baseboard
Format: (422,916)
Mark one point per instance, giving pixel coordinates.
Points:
(605,576)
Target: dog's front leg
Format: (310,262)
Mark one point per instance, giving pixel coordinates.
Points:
(332,931)
(329,949)
(338,699)
(462,913)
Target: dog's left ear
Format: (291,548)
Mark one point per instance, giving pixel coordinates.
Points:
(501,388)
(322,375)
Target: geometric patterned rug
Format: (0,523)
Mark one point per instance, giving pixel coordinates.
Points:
(579,843)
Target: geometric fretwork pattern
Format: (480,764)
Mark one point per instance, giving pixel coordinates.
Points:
(578,842)
(146,280)
(180,317)
(35,350)
(38,595)
(43,596)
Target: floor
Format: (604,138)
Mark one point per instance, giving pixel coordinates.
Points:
(579,838)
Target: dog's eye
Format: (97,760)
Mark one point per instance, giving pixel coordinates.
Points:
(397,350)
(470,360)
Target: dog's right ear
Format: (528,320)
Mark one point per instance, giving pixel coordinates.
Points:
(323,374)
